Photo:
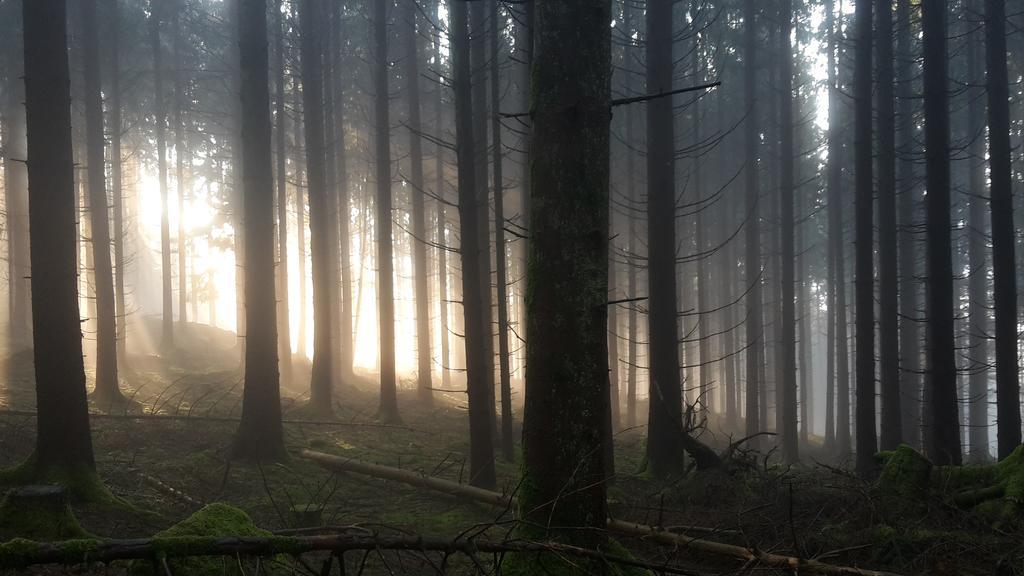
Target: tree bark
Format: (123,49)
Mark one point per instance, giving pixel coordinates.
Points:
(752,256)
(943,436)
(664,454)
(385,264)
(160,113)
(260,434)
(481,411)
(567,356)
(1008,418)
(321,389)
(284,345)
(63,440)
(888,264)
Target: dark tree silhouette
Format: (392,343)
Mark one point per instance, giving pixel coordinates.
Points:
(107,389)
(385,263)
(63,440)
(567,369)
(284,345)
(160,113)
(888,264)
(1003,259)
(419,218)
(481,407)
(752,264)
(664,421)
(942,436)
(321,392)
(260,435)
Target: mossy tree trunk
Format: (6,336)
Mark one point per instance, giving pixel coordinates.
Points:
(567,278)
(63,438)
(260,435)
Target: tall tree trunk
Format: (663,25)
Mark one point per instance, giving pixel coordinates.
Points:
(332,84)
(260,435)
(16,206)
(1004,272)
(943,436)
(752,256)
(419,225)
(498,187)
(107,388)
(63,440)
(481,411)
(888,264)
(116,177)
(440,186)
(864,238)
(342,269)
(910,333)
(182,177)
(568,271)
(788,408)
(664,453)
(385,263)
(284,345)
(321,391)
(478,60)
(160,113)
(301,181)
(977,284)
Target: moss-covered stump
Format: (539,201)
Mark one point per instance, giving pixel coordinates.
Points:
(213,520)
(82,482)
(995,492)
(905,482)
(38,512)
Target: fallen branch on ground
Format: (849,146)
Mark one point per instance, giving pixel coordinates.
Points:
(22,553)
(652,533)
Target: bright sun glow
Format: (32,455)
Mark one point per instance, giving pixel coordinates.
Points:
(211,268)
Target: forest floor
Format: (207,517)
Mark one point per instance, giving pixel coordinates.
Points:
(816,510)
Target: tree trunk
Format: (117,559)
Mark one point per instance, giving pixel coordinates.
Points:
(107,388)
(977,283)
(63,440)
(787,347)
(419,225)
(752,257)
(1003,260)
(888,264)
(943,436)
(159,109)
(567,370)
(498,188)
(864,239)
(910,333)
(284,345)
(321,390)
(260,434)
(382,225)
(16,206)
(664,454)
(182,178)
(481,451)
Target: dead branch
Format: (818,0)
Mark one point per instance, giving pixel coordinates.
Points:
(790,563)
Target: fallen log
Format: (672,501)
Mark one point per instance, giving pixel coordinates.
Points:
(18,554)
(651,533)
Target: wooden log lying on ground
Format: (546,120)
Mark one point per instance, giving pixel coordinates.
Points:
(18,554)
(750,556)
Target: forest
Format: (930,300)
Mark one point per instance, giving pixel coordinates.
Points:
(511,287)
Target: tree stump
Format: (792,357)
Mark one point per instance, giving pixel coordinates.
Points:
(38,512)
